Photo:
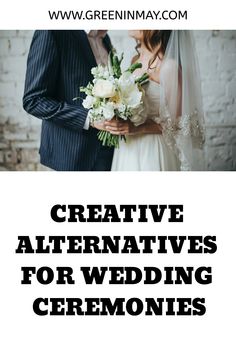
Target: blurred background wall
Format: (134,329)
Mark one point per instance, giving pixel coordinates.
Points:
(20,133)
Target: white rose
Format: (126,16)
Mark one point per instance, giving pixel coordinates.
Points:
(104,89)
(89,101)
(108,110)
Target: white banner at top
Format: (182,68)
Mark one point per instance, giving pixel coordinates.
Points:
(107,14)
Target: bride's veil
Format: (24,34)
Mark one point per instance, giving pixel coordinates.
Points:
(181,111)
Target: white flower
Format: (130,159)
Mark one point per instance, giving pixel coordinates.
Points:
(120,107)
(126,79)
(104,89)
(91,115)
(89,101)
(129,91)
(108,110)
(100,72)
(134,97)
(98,111)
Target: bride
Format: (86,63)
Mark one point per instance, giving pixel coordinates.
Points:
(168,133)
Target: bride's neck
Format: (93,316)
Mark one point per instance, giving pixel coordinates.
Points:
(143,51)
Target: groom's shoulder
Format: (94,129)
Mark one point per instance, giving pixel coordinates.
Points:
(58,34)
(66,34)
(63,39)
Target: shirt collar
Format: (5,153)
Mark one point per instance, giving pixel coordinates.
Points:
(96,33)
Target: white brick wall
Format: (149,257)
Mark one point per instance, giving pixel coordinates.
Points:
(19,133)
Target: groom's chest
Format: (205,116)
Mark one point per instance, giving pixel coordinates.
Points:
(76,59)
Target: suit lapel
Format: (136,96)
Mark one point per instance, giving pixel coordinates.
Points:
(107,43)
(84,45)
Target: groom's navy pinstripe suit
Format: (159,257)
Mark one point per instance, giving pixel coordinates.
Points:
(59,62)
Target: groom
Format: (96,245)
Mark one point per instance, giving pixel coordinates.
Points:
(59,63)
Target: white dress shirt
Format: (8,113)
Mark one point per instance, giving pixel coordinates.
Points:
(95,39)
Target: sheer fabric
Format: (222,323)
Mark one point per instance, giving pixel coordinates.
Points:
(181,110)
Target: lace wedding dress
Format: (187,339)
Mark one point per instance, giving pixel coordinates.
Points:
(146,152)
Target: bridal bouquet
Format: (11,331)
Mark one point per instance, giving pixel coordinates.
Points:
(113,93)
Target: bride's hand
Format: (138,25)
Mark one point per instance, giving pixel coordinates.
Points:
(118,126)
(150,127)
(99,125)
(115,126)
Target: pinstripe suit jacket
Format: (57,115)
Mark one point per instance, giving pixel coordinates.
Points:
(59,62)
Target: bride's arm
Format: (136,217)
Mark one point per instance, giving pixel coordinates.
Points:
(121,127)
